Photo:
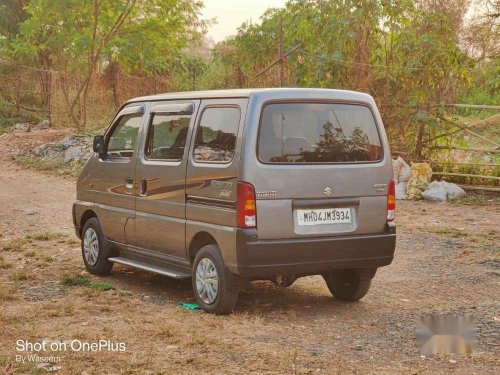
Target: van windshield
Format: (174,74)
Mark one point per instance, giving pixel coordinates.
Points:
(318,133)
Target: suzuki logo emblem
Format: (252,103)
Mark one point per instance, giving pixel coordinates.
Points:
(328,191)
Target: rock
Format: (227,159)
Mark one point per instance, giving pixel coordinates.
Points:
(66,143)
(72,153)
(44,124)
(22,127)
(67,150)
(54,153)
(401,190)
(41,150)
(443,191)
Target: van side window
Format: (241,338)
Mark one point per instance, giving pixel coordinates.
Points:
(216,135)
(167,136)
(121,142)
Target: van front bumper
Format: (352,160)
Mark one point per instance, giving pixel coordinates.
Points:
(309,256)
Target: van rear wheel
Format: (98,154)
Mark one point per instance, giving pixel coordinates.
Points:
(347,285)
(214,286)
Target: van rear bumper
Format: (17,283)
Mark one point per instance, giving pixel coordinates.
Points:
(264,258)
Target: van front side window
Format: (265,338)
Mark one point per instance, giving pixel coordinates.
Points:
(167,136)
(121,142)
(216,135)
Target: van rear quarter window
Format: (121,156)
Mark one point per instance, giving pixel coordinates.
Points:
(318,133)
(216,135)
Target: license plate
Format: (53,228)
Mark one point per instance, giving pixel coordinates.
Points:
(324,216)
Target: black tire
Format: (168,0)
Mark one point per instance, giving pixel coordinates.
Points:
(102,265)
(347,285)
(227,287)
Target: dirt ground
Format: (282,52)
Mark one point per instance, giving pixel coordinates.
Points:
(447,262)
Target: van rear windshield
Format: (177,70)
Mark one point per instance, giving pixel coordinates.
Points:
(318,133)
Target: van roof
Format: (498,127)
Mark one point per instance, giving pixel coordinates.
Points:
(245,93)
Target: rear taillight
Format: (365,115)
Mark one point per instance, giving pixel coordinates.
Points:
(247,215)
(391,201)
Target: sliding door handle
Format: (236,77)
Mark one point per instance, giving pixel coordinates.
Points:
(143,187)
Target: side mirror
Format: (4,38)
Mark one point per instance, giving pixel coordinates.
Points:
(98,144)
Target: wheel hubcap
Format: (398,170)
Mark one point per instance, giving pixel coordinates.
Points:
(207,281)
(90,246)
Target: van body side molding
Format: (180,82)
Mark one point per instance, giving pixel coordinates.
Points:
(210,201)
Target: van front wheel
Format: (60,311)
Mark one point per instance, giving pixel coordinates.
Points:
(347,285)
(214,286)
(95,249)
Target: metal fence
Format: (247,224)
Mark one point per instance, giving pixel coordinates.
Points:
(42,93)
(473,175)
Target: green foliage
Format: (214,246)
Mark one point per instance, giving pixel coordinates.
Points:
(83,281)
(187,72)
(473,169)
(142,35)
(38,164)
(404,53)
(486,90)
(473,199)
(406,57)
(75,281)
(45,236)
(6,121)
(77,37)
(12,13)
(101,287)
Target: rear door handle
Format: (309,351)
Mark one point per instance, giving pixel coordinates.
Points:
(143,187)
(129,185)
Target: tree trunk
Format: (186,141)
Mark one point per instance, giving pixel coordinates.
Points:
(419,142)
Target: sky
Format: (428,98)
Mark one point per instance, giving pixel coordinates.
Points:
(231,14)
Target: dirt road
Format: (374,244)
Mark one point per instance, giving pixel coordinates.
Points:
(33,202)
(447,261)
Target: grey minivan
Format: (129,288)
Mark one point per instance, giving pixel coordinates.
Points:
(230,186)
